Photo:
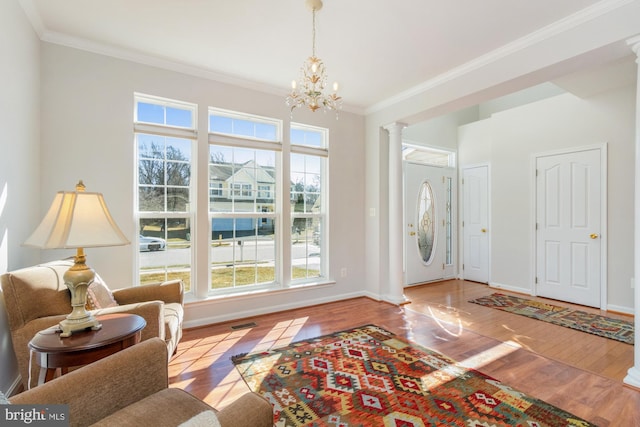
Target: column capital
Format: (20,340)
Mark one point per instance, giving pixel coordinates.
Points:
(395,127)
(634,42)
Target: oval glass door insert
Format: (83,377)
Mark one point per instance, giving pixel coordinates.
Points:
(426,222)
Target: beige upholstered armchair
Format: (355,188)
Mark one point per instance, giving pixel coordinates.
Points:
(131,388)
(36,298)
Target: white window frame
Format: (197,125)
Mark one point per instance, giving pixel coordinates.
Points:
(165,130)
(243,141)
(322,152)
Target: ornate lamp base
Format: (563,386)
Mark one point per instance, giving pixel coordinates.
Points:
(78,278)
(69,326)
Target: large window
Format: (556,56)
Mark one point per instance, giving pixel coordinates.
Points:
(164,136)
(266,194)
(243,176)
(308,182)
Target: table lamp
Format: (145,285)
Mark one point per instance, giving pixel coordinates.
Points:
(77,219)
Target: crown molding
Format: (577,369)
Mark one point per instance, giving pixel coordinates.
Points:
(568,23)
(154,61)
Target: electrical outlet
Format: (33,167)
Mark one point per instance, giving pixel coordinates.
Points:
(343,272)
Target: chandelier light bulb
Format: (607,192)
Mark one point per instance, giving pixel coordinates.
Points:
(335,86)
(293,84)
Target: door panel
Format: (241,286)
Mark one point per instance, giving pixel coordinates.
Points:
(476,224)
(568,222)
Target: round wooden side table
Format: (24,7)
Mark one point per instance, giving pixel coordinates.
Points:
(52,352)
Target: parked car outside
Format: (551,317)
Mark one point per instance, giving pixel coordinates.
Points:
(148,243)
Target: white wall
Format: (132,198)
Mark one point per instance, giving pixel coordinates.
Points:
(87,133)
(19,157)
(508,141)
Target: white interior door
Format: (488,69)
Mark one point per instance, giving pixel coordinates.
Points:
(428,197)
(569,198)
(475,225)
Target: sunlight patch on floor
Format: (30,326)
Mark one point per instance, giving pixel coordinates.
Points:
(450,371)
(282,334)
(232,385)
(207,350)
(494,353)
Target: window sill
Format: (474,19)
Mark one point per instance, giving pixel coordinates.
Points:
(191,300)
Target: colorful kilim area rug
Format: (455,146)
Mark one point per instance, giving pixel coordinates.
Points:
(369,377)
(596,324)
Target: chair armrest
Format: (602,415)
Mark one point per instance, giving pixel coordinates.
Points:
(151,311)
(106,386)
(21,338)
(250,409)
(171,291)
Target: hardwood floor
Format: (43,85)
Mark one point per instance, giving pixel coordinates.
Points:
(579,372)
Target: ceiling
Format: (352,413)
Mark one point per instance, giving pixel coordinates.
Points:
(375,49)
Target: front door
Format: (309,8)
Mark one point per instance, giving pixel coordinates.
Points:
(428,197)
(569,196)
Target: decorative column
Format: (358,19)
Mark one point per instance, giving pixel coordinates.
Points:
(396,208)
(633,375)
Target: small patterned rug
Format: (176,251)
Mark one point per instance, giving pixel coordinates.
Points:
(369,377)
(615,329)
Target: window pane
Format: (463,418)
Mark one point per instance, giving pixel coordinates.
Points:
(177,199)
(151,199)
(309,138)
(306,182)
(167,163)
(241,180)
(242,252)
(165,254)
(150,113)
(178,174)
(150,146)
(220,124)
(178,149)
(426,225)
(179,117)
(151,172)
(243,125)
(266,131)
(305,248)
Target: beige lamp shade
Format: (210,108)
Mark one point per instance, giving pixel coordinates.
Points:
(77,219)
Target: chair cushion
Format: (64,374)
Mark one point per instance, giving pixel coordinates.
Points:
(172,406)
(99,296)
(173,318)
(203,419)
(25,289)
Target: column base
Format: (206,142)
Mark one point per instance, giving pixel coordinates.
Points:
(633,377)
(396,300)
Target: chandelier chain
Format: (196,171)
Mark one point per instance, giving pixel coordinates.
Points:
(313,35)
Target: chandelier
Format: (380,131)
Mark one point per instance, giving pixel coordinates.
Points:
(309,89)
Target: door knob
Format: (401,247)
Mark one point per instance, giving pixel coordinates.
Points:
(484,230)
(593,235)
(413,233)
